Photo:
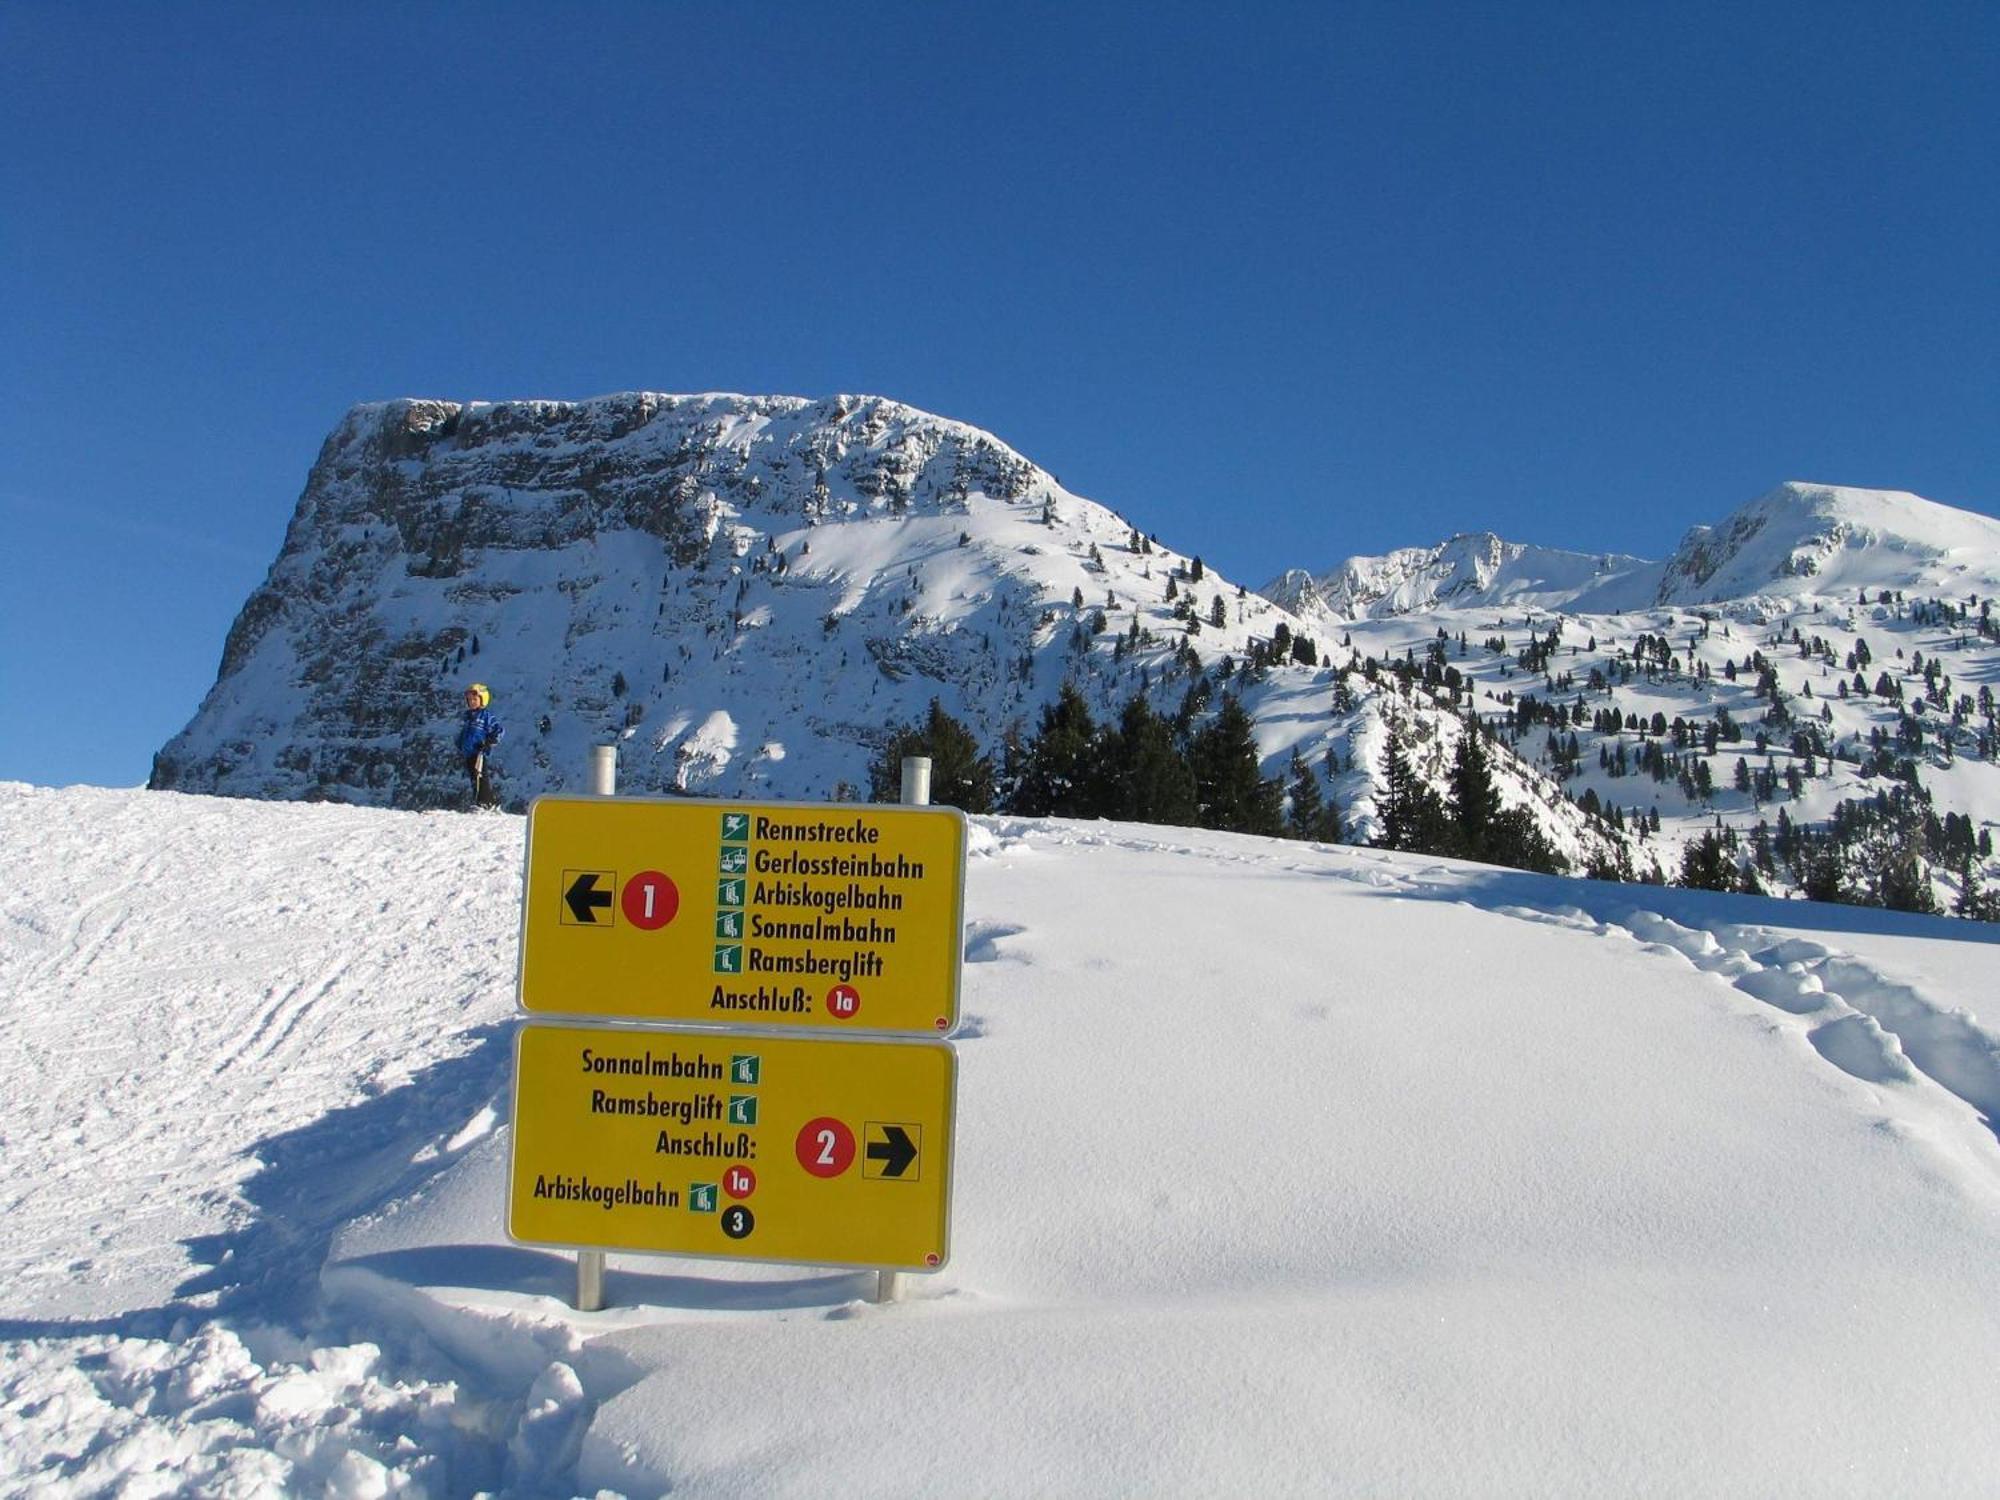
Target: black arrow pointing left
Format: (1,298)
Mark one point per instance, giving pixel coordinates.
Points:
(585,898)
(896,1152)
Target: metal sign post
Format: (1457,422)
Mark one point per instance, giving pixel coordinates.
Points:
(590,1263)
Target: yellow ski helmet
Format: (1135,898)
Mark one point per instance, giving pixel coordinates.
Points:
(480,691)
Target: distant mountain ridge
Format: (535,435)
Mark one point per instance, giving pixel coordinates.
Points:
(1470,569)
(1799,541)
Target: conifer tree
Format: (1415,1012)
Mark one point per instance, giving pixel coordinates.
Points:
(1410,814)
(1229,787)
(1708,866)
(1059,774)
(1309,816)
(961,777)
(1475,803)
(1147,779)
(1897,875)
(1518,841)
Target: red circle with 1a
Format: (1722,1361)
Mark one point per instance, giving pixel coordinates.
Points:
(843,1002)
(825,1147)
(650,900)
(739,1182)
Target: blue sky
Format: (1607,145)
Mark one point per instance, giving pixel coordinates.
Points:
(1280,283)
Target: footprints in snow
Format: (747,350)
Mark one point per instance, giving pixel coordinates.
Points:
(1858,1045)
(982,946)
(983,939)
(1869,1027)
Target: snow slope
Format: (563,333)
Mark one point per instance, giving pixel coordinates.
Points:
(1282,1169)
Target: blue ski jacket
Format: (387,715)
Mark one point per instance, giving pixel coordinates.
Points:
(478,730)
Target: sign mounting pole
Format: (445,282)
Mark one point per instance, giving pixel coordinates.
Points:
(590,1263)
(916,793)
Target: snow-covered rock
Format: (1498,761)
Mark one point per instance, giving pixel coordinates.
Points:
(749,594)
(1468,571)
(1805,540)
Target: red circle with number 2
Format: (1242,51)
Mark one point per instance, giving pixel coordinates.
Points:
(825,1147)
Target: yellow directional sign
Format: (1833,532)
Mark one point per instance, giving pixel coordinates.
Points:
(732,913)
(736,1145)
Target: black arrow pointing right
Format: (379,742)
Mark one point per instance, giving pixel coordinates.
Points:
(895,1153)
(585,898)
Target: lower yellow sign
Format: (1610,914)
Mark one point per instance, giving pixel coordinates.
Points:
(738,1145)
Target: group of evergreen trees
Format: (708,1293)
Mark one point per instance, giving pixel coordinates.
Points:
(1198,769)
(1145,768)
(1879,850)
(1467,823)
(1140,768)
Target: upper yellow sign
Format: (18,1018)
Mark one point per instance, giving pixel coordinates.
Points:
(839,915)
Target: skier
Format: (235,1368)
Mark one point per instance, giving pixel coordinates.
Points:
(479,732)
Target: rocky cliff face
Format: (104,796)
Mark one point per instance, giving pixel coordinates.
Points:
(747,593)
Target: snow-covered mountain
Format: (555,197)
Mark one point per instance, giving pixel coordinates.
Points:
(748,593)
(1805,541)
(751,594)
(1800,541)
(1469,570)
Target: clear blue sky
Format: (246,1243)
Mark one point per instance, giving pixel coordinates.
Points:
(1280,283)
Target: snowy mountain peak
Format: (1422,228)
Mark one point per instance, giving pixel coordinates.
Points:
(1811,539)
(751,595)
(1470,570)
(1799,541)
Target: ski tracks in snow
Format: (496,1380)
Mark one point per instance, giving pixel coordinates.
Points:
(206,1018)
(167,984)
(212,1007)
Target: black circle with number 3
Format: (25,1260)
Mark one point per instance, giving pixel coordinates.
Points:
(737,1221)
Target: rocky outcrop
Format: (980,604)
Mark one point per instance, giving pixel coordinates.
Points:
(746,593)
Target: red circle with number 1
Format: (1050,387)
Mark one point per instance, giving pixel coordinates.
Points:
(739,1182)
(843,1002)
(825,1147)
(650,900)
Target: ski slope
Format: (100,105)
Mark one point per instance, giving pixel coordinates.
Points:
(1281,1169)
